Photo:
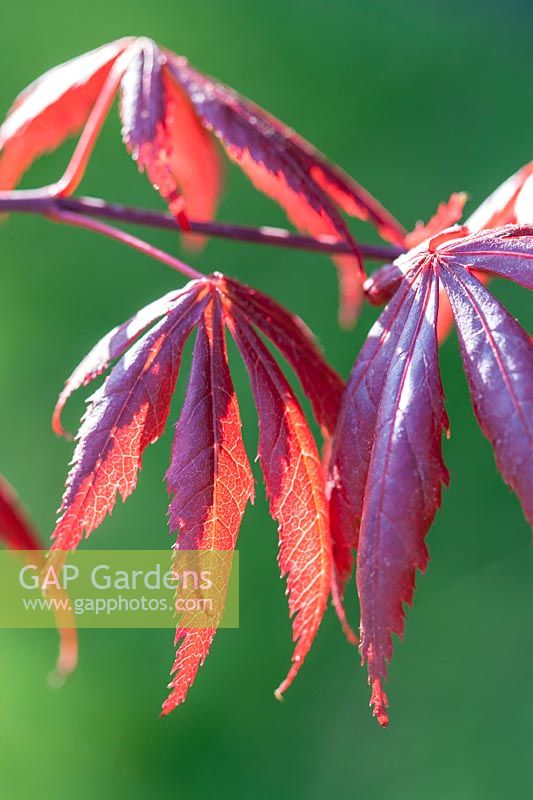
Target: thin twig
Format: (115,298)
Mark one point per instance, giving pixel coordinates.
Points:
(71,218)
(277,237)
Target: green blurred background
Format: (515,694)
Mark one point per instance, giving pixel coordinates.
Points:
(416,100)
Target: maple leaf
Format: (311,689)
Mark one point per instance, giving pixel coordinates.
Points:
(386,469)
(17,533)
(170,115)
(209,478)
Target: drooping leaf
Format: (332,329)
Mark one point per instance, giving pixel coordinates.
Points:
(498,358)
(354,436)
(287,169)
(166,138)
(388,436)
(209,478)
(293,477)
(403,487)
(386,469)
(320,383)
(53,108)
(168,109)
(17,533)
(142,102)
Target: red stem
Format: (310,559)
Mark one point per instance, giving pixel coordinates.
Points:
(71,218)
(277,237)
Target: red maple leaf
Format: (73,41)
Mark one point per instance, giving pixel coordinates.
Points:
(386,468)
(209,478)
(170,115)
(17,533)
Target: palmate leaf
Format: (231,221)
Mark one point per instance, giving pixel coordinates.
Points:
(386,469)
(171,114)
(209,478)
(17,533)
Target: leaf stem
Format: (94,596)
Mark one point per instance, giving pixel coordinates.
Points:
(277,237)
(81,221)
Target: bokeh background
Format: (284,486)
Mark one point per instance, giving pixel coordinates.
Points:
(416,100)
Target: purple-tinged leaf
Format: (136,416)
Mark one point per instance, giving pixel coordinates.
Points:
(142,96)
(354,436)
(124,416)
(296,343)
(112,346)
(403,487)
(165,137)
(209,471)
(294,482)
(209,478)
(506,252)
(498,358)
(277,165)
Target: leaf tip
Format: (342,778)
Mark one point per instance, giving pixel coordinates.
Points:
(278,694)
(57,425)
(380,702)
